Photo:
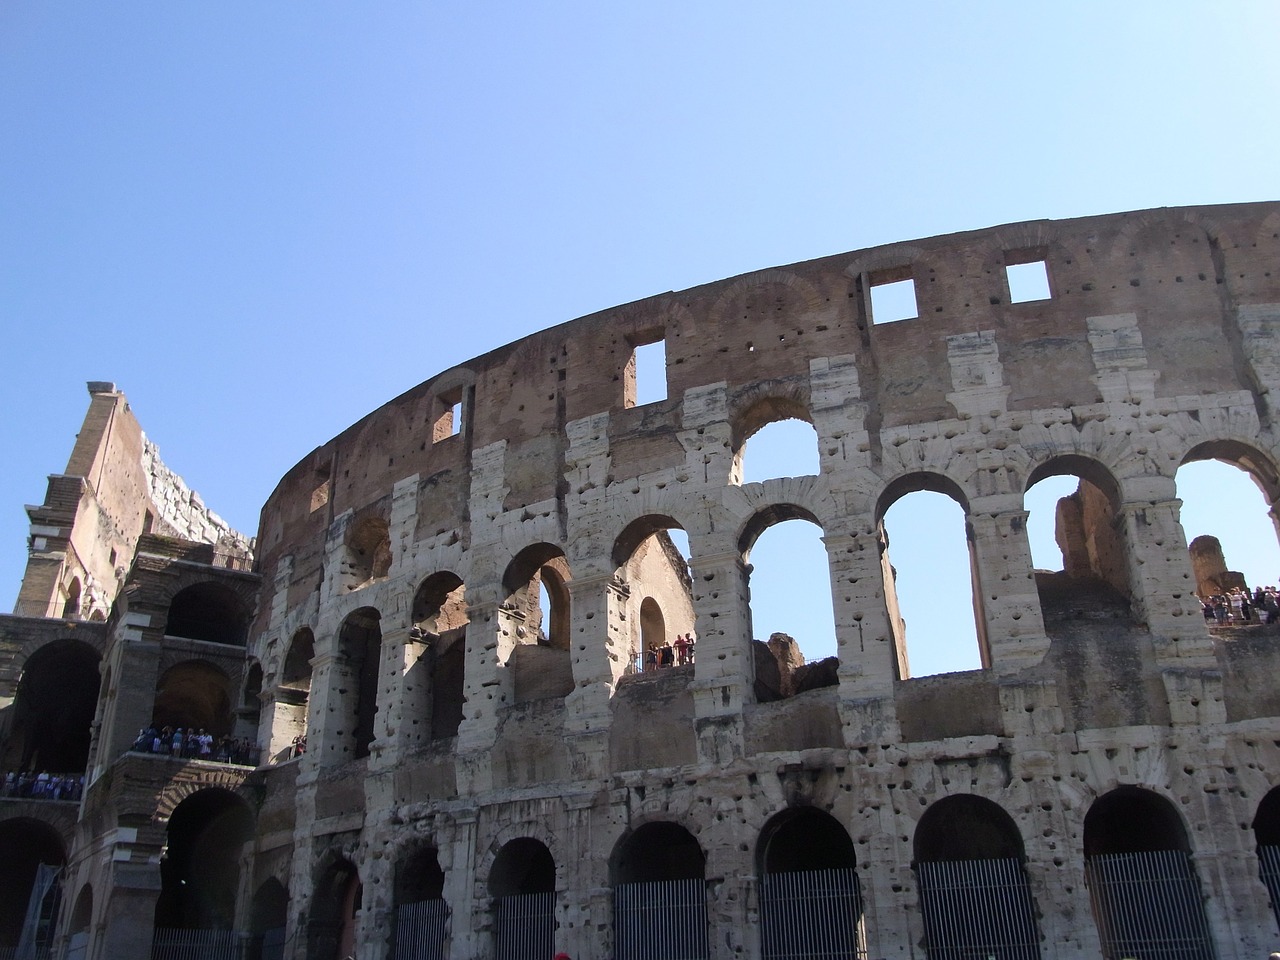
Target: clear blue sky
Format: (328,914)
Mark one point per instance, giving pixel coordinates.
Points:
(265,220)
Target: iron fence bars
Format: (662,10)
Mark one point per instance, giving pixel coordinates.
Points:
(171,944)
(1269,870)
(525,927)
(812,914)
(1148,905)
(662,920)
(421,930)
(977,910)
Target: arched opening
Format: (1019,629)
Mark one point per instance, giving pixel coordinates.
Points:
(422,916)
(212,612)
(659,893)
(1142,882)
(335,910)
(522,882)
(368,553)
(200,871)
(268,919)
(658,605)
(536,620)
(1228,491)
(80,924)
(53,709)
(1092,580)
(1266,834)
(810,894)
(789,589)
(974,896)
(439,674)
(774,438)
(931,583)
(250,711)
(192,695)
(71,609)
(289,727)
(360,657)
(30,886)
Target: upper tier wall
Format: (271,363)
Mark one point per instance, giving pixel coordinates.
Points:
(1145,307)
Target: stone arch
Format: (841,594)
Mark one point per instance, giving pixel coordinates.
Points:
(1266,834)
(200,870)
(193,693)
(658,599)
(895,491)
(268,918)
(292,696)
(969,843)
(760,407)
(436,681)
(810,893)
(656,851)
(660,862)
(54,707)
(1142,880)
(210,611)
(358,665)
(1260,466)
(367,552)
(1094,547)
(27,843)
(535,624)
(81,918)
(336,902)
(71,609)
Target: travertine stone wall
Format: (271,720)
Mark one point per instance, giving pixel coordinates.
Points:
(1159,344)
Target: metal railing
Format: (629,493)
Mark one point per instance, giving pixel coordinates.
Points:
(977,909)
(171,944)
(661,920)
(525,927)
(1148,905)
(1269,870)
(812,914)
(422,930)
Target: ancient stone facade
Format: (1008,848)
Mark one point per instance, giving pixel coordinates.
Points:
(456,596)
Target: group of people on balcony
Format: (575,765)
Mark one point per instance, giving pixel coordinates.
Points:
(29,785)
(196,744)
(669,653)
(1238,605)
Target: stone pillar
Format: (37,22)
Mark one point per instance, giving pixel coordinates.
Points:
(724,672)
(1160,579)
(130,913)
(460,860)
(599,645)
(399,724)
(870,656)
(332,713)
(1009,601)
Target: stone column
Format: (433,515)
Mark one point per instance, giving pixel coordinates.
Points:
(1005,584)
(870,657)
(598,641)
(1160,578)
(332,714)
(400,723)
(724,673)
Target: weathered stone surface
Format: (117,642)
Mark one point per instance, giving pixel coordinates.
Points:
(512,513)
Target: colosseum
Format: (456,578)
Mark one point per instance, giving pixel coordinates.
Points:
(433,709)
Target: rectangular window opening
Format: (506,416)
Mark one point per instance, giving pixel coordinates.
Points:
(448,422)
(893,296)
(647,382)
(1028,279)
